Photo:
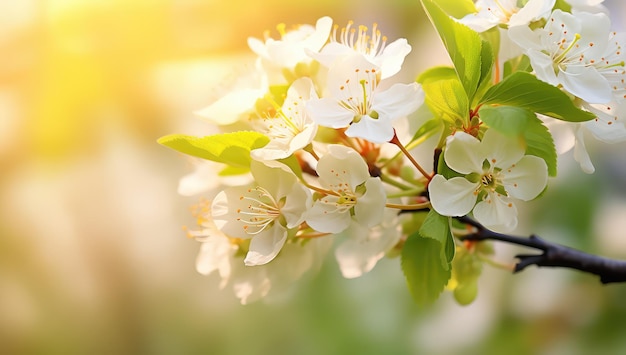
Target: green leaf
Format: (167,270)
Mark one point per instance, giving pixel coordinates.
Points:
(457,8)
(519,122)
(539,142)
(508,120)
(562,5)
(421,263)
(231,170)
(427,130)
(517,64)
(525,90)
(463,45)
(437,73)
(293,164)
(447,100)
(487,58)
(437,227)
(279,93)
(232,149)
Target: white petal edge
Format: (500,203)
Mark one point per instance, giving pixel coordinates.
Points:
(453,197)
(266,245)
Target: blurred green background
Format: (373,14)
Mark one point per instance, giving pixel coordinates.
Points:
(93,259)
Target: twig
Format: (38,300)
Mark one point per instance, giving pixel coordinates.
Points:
(553,255)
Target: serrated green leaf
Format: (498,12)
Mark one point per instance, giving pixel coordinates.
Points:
(421,264)
(447,100)
(519,122)
(232,149)
(463,45)
(437,227)
(525,90)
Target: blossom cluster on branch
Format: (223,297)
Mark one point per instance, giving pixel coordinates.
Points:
(317,143)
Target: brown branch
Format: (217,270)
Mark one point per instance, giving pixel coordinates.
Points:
(553,255)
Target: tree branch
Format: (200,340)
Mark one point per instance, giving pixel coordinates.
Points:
(553,255)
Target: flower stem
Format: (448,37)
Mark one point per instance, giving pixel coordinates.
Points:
(397,142)
(413,207)
(407,193)
(318,189)
(390,181)
(309,149)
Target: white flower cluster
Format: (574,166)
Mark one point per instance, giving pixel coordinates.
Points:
(574,51)
(263,232)
(326,100)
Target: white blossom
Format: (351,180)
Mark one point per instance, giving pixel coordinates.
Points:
(363,247)
(569,52)
(265,212)
(496,172)
(356,101)
(224,255)
(491,13)
(237,98)
(292,128)
(291,48)
(353,193)
(372,45)
(592,6)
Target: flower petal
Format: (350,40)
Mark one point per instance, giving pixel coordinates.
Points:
(462,153)
(497,212)
(500,150)
(532,11)
(324,218)
(224,211)
(581,155)
(391,59)
(342,165)
(266,245)
(328,112)
(398,101)
(454,197)
(316,40)
(370,207)
(330,53)
(364,247)
(586,83)
(276,180)
(526,179)
(374,130)
(215,254)
(609,124)
(296,204)
(543,66)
